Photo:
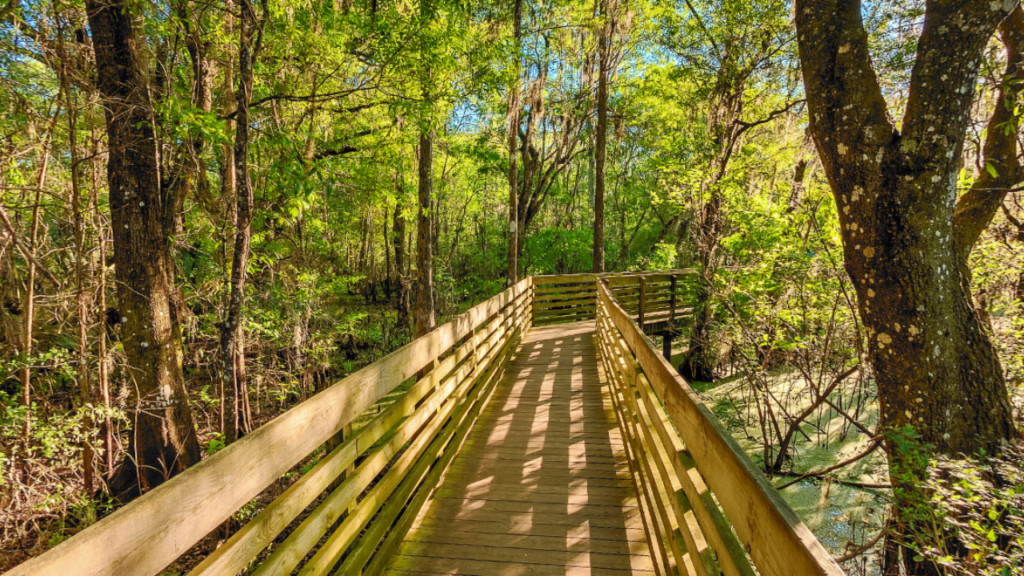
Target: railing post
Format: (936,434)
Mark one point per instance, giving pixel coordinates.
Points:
(335,441)
(643,298)
(672,302)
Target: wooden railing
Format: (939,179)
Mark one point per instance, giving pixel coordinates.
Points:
(705,506)
(654,297)
(563,298)
(373,482)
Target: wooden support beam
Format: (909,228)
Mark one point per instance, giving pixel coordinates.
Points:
(643,299)
(672,302)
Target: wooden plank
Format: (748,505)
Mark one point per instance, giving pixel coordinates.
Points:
(714,525)
(564,279)
(286,556)
(663,525)
(554,292)
(689,529)
(536,518)
(633,536)
(581,312)
(392,495)
(455,433)
(569,559)
(252,538)
(529,468)
(416,564)
(584,311)
(613,370)
(549,306)
(779,542)
(558,543)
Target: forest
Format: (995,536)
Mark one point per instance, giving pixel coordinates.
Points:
(213,211)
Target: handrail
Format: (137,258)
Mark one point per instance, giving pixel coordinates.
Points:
(704,503)
(467,355)
(705,506)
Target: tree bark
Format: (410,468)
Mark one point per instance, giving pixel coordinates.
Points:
(163,440)
(609,7)
(401,283)
(513,150)
(935,367)
(232,331)
(1002,167)
(424,313)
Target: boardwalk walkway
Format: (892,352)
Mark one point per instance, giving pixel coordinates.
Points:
(542,486)
(500,453)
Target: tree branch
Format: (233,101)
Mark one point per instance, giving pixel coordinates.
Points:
(1001,168)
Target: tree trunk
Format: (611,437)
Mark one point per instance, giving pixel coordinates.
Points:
(609,7)
(163,440)
(424,313)
(82,295)
(513,150)
(726,107)
(103,365)
(29,307)
(232,331)
(935,367)
(402,284)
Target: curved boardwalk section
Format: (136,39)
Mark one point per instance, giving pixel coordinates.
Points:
(542,486)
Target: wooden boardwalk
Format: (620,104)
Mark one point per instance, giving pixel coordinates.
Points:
(543,474)
(542,486)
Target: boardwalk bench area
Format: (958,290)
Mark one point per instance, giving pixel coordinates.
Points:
(539,433)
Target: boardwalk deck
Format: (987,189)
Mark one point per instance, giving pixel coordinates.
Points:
(540,481)
(542,486)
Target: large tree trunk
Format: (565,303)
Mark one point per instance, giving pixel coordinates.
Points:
(936,369)
(232,334)
(424,313)
(513,151)
(609,7)
(163,440)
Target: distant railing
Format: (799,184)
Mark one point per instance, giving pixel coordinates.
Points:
(706,508)
(373,481)
(573,297)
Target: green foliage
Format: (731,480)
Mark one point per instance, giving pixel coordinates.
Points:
(963,514)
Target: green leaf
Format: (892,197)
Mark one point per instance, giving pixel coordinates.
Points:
(991,170)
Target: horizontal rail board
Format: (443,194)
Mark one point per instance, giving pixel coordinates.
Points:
(778,541)
(144,537)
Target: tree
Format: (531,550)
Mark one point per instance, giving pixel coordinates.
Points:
(423,315)
(513,146)
(163,440)
(609,9)
(734,53)
(903,234)
(232,336)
